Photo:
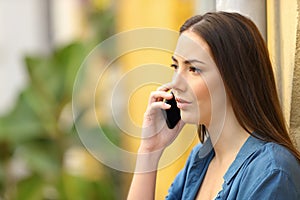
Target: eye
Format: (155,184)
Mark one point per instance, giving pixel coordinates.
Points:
(174,66)
(194,69)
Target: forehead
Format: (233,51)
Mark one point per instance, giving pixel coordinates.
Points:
(191,46)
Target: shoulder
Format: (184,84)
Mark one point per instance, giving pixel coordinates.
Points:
(271,156)
(269,167)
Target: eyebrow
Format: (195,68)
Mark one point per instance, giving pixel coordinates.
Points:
(188,61)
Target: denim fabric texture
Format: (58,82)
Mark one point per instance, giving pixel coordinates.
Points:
(261,170)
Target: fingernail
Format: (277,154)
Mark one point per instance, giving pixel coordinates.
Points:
(168,105)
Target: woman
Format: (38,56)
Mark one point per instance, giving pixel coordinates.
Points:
(248,156)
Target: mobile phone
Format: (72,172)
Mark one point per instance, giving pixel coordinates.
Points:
(172,115)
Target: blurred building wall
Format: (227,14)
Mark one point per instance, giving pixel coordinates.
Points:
(66,21)
(31,27)
(295,104)
(254,9)
(283,21)
(168,14)
(23,27)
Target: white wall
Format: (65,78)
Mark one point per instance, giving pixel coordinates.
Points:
(254,9)
(23,30)
(31,27)
(203,6)
(67,21)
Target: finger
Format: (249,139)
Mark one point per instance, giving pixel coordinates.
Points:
(165,87)
(154,108)
(158,96)
(159,104)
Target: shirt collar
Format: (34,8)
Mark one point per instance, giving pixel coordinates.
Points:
(205,149)
(205,153)
(248,148)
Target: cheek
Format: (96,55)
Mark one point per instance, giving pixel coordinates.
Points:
(201,93)
(203,100)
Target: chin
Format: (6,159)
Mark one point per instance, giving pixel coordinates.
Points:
(189,118)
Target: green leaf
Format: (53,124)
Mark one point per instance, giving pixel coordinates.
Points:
(21,124)
(30,189)
(42,157)
(43,77)
(79,188)
(70,59)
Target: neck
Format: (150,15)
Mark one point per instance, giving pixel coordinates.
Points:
(229,140)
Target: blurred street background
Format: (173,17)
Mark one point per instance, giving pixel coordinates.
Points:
(43,43)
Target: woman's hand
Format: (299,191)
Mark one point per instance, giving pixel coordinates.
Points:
(156,135)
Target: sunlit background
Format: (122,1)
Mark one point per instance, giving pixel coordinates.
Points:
(42,46)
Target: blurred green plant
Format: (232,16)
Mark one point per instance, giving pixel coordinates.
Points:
(35,137)
(32,140)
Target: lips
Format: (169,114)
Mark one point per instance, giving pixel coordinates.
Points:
(180,100)
(181,103)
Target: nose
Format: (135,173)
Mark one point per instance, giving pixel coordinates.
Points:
(178,81)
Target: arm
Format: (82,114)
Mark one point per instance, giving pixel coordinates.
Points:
(156,136)
(143,183)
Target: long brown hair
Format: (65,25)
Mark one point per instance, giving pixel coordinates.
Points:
(242,58)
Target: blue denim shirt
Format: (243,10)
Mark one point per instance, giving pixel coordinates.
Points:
(261,170)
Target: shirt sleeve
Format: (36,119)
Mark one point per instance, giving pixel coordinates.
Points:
(274,185)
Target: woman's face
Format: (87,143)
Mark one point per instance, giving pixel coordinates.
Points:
(197,84)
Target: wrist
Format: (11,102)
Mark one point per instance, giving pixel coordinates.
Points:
(147,161)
